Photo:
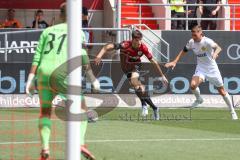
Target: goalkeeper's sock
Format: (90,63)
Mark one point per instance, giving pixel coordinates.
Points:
(196,92)
(228,101)
(83,131)
(45,131)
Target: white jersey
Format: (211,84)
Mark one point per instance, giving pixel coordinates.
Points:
(206,66)
(204,51)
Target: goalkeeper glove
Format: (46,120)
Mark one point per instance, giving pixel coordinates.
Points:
(96,85)
(30,86)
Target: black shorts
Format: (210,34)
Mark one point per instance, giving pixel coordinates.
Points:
(137,68)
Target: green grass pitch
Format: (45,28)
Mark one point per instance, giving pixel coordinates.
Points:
(199,134)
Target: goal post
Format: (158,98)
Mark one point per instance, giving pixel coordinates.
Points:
(74,22)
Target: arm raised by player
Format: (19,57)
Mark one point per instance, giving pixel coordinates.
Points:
(156,65)
(173,63)
(217,50)
(107,47)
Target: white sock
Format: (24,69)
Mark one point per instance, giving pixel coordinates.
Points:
(228,101)
(144,106)
(196,92)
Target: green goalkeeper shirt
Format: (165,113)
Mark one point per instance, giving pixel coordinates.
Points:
(51,51)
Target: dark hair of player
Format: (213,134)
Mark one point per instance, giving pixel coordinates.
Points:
(196,27)
(136,34)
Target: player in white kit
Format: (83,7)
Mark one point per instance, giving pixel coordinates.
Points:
(206,51)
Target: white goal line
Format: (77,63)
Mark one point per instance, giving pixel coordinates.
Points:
(129,140)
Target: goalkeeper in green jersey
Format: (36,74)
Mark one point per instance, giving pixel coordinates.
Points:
(50,54)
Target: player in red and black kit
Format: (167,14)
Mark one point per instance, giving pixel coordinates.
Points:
(130,54)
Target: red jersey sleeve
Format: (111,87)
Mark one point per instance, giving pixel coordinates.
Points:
(146,52)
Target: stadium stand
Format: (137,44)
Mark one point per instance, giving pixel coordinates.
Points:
(104,13)
(25,11)
(133,11)
(235,13)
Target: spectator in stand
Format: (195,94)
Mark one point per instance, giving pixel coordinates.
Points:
(85,22)
(209,12)
(39,22)
(192,13)
(1,25)
(10,21)
(177,12)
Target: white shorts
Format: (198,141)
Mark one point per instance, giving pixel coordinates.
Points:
(214,78)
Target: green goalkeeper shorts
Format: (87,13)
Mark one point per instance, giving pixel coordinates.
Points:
(56,84)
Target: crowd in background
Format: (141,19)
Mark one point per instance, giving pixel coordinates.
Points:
(10,21)
(179,11)
(38,21)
